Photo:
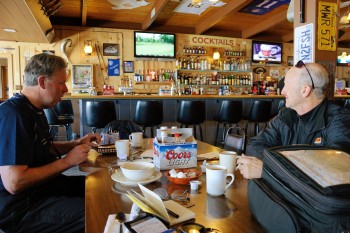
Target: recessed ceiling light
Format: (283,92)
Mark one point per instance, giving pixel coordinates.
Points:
(9,30)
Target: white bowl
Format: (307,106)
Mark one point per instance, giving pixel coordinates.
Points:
(137,170)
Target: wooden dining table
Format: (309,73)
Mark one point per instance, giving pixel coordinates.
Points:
(227,213)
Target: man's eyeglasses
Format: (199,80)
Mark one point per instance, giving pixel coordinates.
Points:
(300,64)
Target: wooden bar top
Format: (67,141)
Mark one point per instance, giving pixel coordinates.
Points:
(156,96)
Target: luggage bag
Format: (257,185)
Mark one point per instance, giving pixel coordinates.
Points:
(303,189)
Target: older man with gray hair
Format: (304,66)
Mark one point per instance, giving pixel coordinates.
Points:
(307,119)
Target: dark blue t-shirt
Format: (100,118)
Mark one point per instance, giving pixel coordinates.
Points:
(24,133)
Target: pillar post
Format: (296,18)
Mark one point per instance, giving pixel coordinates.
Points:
(316,35)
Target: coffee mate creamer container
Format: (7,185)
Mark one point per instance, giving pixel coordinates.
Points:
(171,152)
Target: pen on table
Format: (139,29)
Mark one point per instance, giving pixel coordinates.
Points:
(190,206)
(175,215)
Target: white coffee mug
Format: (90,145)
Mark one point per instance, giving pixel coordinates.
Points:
(216,180)
(136,139)
(123,149)
(228,159)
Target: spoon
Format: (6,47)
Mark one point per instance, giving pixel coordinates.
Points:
(120,217)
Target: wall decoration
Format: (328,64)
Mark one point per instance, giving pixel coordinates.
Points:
(188,6)
(128,67)
(304,37)
(82,76)
(290,61)
(127,4)
(113,67)
(110,49)
(261,7)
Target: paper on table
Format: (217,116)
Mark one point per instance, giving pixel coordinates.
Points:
(209,155)
(114,227)
(150,202)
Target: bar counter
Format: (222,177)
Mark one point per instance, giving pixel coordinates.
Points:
(125,107)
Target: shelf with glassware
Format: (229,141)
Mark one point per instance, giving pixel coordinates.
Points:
(226,63)
(153,77)
(239,79)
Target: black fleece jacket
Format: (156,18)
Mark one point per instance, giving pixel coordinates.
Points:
(327,125)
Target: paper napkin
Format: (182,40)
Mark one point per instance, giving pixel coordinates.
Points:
(113,226)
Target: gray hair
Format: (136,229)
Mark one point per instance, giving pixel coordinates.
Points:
(42,64)
(320,77)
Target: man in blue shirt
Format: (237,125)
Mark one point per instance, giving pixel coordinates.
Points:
(34,195)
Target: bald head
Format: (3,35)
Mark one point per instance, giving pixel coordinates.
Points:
(298,89)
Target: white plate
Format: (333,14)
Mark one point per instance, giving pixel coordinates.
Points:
(119,177)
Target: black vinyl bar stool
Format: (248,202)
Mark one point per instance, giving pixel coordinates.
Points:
(230,113)
(281,104)
(55,121)
(61,115)
(192,112)
(99,113)
(259,112)
(149,114)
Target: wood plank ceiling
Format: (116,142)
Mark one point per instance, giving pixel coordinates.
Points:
(227,20)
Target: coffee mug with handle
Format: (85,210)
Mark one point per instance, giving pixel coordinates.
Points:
(136,139)
(216,180)
(228,159)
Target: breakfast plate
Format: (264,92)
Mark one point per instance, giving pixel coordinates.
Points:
(119,177)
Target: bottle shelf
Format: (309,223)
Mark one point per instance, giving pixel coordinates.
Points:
(219,71)
(214,85)
(194,54)
(155,83)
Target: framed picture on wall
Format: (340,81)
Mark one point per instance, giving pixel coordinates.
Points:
(290,61)
(82,76)
(128,67)
(110,49)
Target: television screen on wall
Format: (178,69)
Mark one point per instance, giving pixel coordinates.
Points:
(269,52)
(156,45)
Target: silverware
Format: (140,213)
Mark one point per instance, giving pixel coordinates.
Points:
(120,217)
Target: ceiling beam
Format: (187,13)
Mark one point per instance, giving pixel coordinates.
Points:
(266,24)
(177,29)
(220,13)
(157,8)
(83,13)
(113,24)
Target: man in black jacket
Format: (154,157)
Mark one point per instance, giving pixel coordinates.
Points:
(307,119)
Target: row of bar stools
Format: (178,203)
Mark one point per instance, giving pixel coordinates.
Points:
(99,113)
(149,114)
(230,113)
(192,112)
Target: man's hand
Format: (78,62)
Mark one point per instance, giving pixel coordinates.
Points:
(92,140)
(250,167)
(77,155)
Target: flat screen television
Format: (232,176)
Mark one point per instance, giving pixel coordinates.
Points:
(270,52)
(155,45)
(343,59)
